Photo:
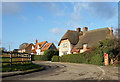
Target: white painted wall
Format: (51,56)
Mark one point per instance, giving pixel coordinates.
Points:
(39,50)
(84,48)
(21,51)
(62,48)
(32,47)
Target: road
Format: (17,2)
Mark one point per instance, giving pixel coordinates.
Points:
(69,71)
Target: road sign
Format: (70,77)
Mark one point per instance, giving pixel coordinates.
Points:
(106,59)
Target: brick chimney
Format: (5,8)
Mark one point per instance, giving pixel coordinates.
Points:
(85,29)
(111,31)
(36,41)
(78,29)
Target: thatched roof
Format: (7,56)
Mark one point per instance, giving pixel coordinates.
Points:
(92,37)
(72,36)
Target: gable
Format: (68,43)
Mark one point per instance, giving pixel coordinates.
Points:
(72,36)
(40,44)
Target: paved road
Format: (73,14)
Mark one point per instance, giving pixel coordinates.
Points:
(70,71)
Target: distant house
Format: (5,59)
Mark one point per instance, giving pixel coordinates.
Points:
(80,41)
(26,49)
(39,48)
(15,50)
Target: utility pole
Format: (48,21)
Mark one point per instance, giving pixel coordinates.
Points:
(9,47)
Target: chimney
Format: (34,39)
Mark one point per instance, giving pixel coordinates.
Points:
(111,31)
(85,29)
(78,29)
(36,41)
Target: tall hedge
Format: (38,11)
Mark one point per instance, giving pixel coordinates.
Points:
(38,58)
(87,57)
(50,53)
(97,59)
(73,58)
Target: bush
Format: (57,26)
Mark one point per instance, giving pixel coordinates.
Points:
(97,59)
(39,58)
(87,57)
(48,54)
(73,58)
(55,59)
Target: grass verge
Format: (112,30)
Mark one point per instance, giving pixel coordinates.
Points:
(20,67)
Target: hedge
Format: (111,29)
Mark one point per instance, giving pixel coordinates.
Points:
(97,59)
(55,59)
(73,58)
(48,54)
(87,57)
(38,58)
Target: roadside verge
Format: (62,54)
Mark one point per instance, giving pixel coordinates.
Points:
(7,74)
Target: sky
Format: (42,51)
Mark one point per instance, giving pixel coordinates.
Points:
(24,22)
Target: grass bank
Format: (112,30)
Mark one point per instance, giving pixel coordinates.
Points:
(19,67)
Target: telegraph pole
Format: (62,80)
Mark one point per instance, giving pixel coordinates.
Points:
(9,47)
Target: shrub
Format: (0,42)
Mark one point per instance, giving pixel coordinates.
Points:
(86,57)
(55,59)
(97,59)
(37,58)
(48,54)
(73,58)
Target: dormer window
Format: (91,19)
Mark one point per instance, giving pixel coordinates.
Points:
(84,46)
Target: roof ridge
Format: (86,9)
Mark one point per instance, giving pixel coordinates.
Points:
(28,45)
(97,29)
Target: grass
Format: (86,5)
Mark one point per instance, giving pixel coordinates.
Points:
(20,67)
(116,65)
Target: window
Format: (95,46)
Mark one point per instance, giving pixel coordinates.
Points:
(84,45)
(65,53)
(64,44)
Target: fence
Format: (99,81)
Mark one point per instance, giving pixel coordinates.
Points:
(24,57)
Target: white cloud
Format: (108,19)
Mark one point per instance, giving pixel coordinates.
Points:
(98,9)
(95,10)
(57,9)
(102,10)
(57,31)
(10,8)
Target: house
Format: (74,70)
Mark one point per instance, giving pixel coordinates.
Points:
(80,41)
(15,50)
(26,49)
(39,48)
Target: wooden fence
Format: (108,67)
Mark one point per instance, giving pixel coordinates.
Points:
(24,57)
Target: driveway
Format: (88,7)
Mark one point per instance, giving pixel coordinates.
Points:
(69,71)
